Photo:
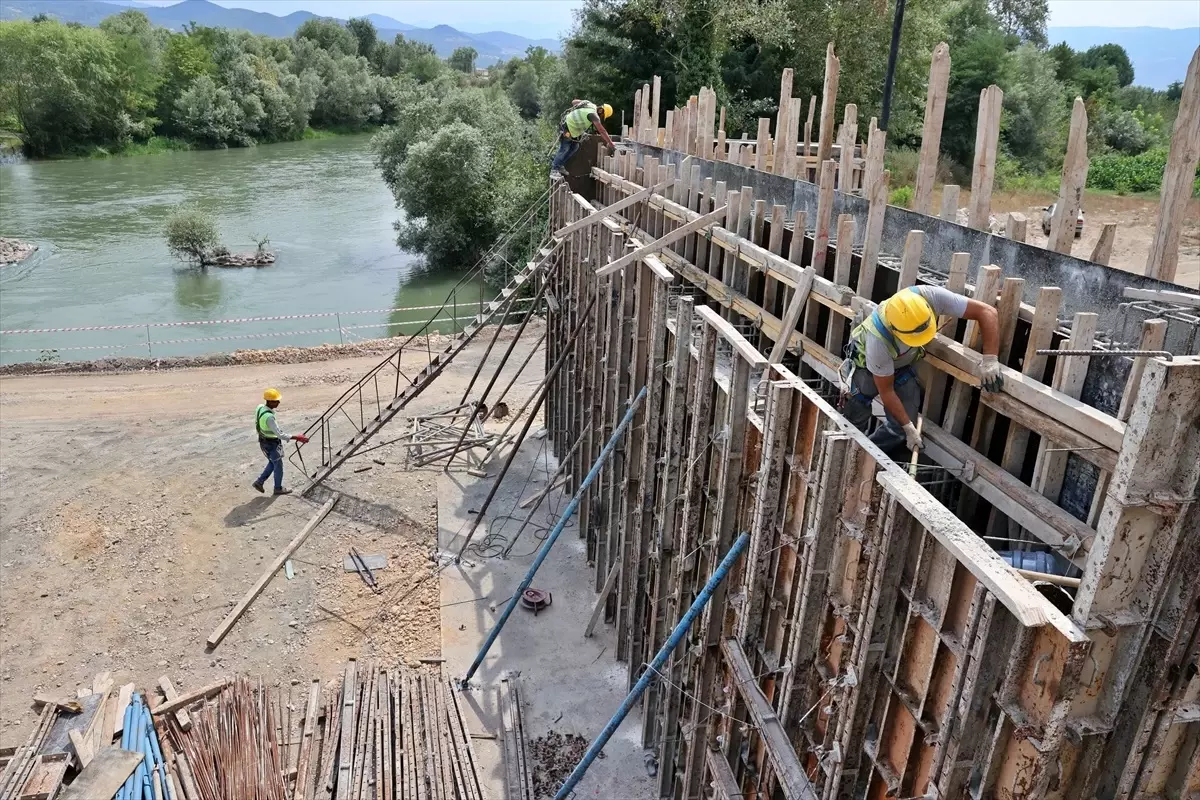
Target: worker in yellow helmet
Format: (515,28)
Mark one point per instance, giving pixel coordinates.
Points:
(884,348)
(271,439)
(582,117)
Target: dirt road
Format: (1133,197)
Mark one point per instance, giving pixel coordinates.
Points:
(128,529)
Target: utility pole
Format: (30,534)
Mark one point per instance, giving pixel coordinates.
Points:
(890,77)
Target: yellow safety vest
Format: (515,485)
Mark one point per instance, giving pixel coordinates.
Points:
(577,121)
(261,414)
(875,326)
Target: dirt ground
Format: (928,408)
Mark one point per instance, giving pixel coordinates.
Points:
(1136,219)
(128,529)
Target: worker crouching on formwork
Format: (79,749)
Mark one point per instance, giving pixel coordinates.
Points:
(582,118)
(270,440)
(882,355)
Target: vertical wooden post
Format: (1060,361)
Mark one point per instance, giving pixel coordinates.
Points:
(637,113)
(1102,252)
(987,137)
(931,133)
(1070,188)
(1177,179)
(796,246)
(762,145)
(828,106)
(824,216)
(987,285)
(655,98)
(835,337)
(783,132)
(935,387)
(911,260)
(788,144)
(802,173)
(877,197)
(950,194)
(1016,228)
(848,139)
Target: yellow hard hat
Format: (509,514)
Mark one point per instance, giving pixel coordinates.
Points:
(910,318)
(272,394)
(606,111)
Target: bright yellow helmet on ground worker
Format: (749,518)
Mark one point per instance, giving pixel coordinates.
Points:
(272,394)
(910,318)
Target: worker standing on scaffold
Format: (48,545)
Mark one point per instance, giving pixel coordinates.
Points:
(883,352)
(583,117)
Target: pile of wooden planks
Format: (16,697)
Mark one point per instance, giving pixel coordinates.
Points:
(376,734)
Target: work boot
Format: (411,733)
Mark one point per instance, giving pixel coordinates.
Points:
(282,490)
(258,487)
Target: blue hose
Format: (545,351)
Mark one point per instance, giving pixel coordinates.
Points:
(544,550)
(126,735)
(159,763)
(652,670)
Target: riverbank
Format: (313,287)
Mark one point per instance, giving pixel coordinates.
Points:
(158,145)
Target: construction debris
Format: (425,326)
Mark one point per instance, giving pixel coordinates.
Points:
(553,756)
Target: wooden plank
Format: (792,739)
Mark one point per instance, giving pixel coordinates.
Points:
(723,782)
(824,216)
(608,211)
(739,343)
(1178,176)
(987,138)
(185,700)
(227,624)
(83,747)
(598,609)
(762,145)
(793,780)
(124,696)
(181,714)
(1016,227)
(107,772)
(1102,252)
(828,106)
(796,245)
(950,194)
(660,243)
(1071,182)
(1163,296)
(910,261)
(931,132)
(847,138)
(343,775)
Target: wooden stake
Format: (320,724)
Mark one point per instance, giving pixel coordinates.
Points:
(1177,179)
(1070,188)
(1102,252)
(762,146)
(877,196)
(931,133)
(227,624)
(987,138)
(911,260)
(1016,227)
(828,103)
(847,138)
(824,216)
(950,194)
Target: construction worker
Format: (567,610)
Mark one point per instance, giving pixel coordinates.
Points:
(578,121)
(271,439)
(884,349)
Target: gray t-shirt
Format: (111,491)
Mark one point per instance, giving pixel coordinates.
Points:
(879,360)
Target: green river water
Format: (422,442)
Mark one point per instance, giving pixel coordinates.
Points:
(103,262)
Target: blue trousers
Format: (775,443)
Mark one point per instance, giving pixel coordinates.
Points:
(566,149)
(273,450)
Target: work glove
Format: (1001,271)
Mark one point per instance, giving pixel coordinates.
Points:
(301,438)
(990,379)
(912,438)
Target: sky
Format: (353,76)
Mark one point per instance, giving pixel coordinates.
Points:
(1125,13)
(538,19)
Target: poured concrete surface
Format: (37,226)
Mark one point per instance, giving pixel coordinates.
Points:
(568,683)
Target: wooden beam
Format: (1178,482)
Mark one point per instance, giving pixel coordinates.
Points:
(739,343)
(910,261)
(181,715)
(762,144)
(104,775)
(1016,227)
(186,699)
(793,780)
(950,193)
(723,782)
(602,598)
(931,132)
(1102,252)
(1069,375)
(877,197)
(227,624)
(987,138)
(608,211)
(847,138)
(824,216)
(1178,178)
(660,243)
(1163,296)
(1071,182)
(828,106)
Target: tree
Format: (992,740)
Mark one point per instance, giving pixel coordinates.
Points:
(329,35)
(191,235)
(1109,55)
(1175,91)
(524,91)
(1035,109)
(1023,18)
(463,59)
(206,113)
(364,33)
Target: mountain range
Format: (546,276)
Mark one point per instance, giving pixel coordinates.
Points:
(492,46)
(1160,56)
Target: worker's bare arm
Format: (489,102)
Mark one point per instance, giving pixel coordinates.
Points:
(595,119)
(891,401)
(989,325)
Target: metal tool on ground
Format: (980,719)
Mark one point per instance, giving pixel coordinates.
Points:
(374,561)
(536,599)
(363,570)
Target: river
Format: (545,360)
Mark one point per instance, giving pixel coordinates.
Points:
(103,260)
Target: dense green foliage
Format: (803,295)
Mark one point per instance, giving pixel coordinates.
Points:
(191,235)
(740,47)
(71,89)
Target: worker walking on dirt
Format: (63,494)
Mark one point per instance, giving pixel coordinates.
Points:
(582,117)
(883,352)
(271,439)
